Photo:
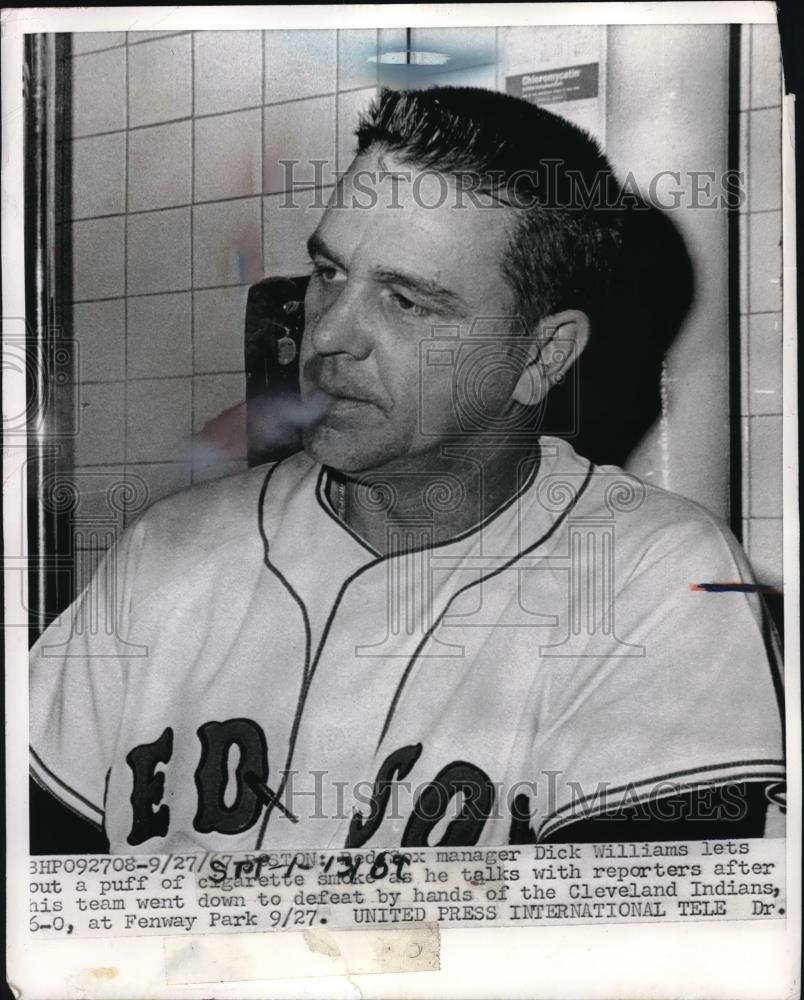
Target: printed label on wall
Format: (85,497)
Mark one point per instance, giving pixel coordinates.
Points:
(561,67)
(569,83)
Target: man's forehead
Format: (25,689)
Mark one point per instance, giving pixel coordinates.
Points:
(407,209)
(397,184)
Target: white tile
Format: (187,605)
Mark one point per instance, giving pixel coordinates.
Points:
(228,155)
(392,39)
(743,223)
(91,41)
(228,70)
(765,550)
(158,420)
(218,329)
(159,335)
(99,329)
(135,37)
(765,364)
(100,439)
(160,166)
(350,107)
(226,243)
(745,461)
(356,47)
(98,93)
(219,419)
(765,263)
(101,490)
(158,481)
(289,221)
(743,162)
(465,47)
(470,58)
(62,170)
(745,361)
(98,171)
(125,492)
(299,63)
(765,159)
(394,76)
(765,468)
(159,251)
(744,100)
(160,82)
(766,69)
(745,538)
(214,395)
(302,132)
(97,257)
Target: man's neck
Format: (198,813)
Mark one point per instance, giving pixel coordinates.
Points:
(443,497)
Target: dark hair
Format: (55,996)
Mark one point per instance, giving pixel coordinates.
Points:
(566,242)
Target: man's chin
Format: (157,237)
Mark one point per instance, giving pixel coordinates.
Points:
(336,450)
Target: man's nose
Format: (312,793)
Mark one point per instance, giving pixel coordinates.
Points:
(341,327)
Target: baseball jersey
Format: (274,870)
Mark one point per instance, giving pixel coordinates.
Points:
(245,672)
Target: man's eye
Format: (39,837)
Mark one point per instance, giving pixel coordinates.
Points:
(408,306)
(327,273)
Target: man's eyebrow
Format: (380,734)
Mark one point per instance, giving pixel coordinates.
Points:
(317,247)
(443,297)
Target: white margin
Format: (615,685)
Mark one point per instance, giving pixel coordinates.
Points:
(727,959)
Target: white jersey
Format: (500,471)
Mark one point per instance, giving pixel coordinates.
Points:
(246,673)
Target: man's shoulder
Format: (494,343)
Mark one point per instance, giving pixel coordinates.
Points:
(649,519)
(224,505)
(220,510)
(651,506)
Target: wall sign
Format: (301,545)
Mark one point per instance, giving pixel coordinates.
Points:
(560,67)
(552,86)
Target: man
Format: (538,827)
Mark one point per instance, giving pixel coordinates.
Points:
(435,624)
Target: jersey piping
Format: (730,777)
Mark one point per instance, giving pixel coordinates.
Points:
(310,668)
(554,822)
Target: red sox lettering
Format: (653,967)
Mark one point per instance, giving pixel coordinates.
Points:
(150,772)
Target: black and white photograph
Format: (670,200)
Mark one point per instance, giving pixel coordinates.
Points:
(402,457)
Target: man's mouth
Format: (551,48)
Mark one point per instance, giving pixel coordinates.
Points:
(346,403)
(325,404)
(343,399)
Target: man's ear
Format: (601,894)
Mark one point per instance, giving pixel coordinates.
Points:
(558,342)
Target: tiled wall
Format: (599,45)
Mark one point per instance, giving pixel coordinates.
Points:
(174,207)
(761,299)
(177,193)
(176,204)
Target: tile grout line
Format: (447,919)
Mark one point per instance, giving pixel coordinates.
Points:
(222,201)
(217,114)
(337,96)
(161,38)
(125,284)
(270,194)
(746,457)
(263,252)
(105,216)
(120,45)
(263,76)
(169,291)
(161,378)
(745,321)
(192,249)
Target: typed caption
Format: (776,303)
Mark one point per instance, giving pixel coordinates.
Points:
(128,895)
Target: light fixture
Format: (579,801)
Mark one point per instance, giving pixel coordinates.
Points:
(408,58)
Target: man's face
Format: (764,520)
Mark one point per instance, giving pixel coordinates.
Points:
(384,277)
